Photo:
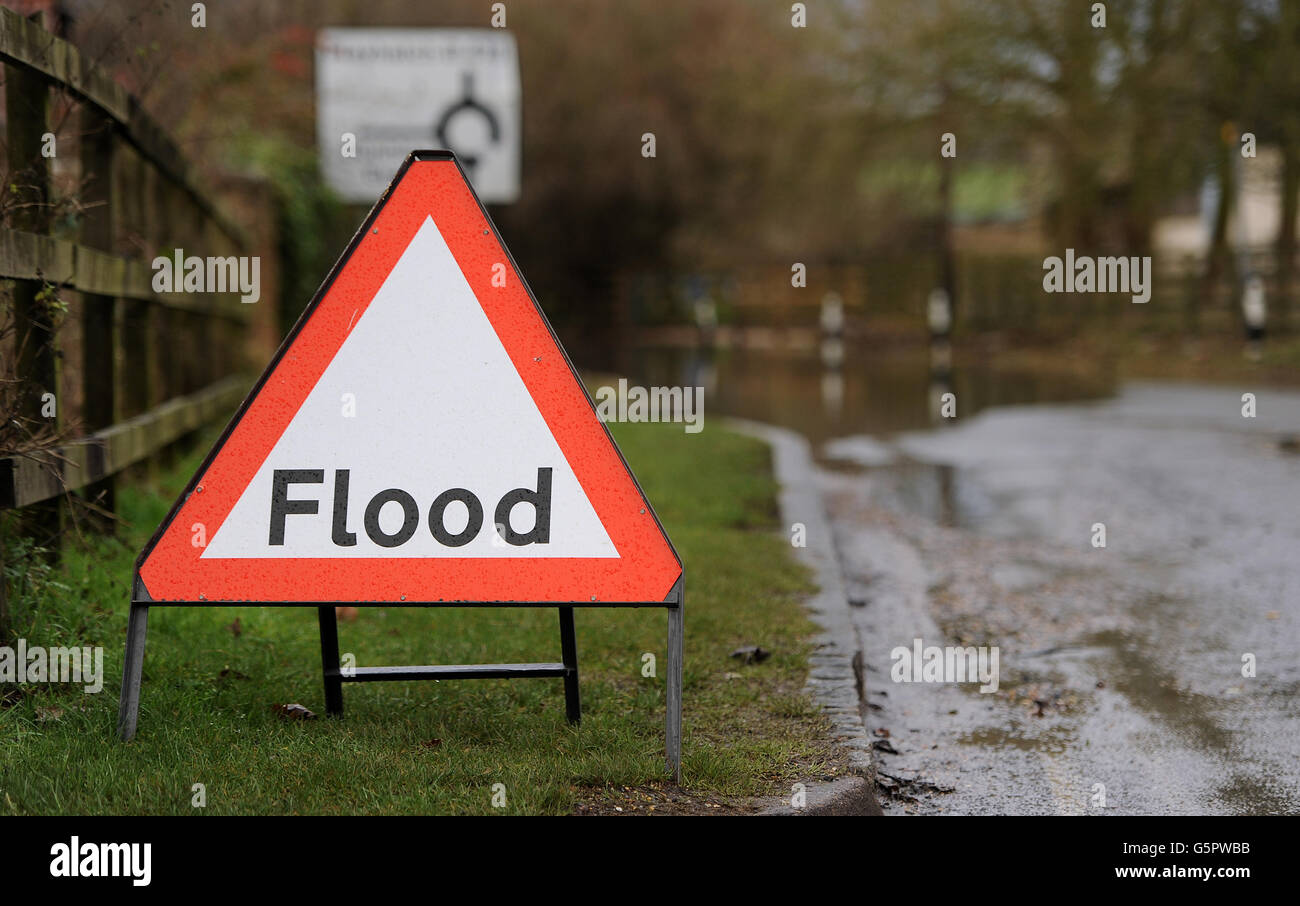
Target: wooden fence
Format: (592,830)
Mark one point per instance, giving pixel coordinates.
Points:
(130,370)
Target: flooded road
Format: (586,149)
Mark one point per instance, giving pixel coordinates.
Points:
(1121,667)
(873,391)
(1124,670)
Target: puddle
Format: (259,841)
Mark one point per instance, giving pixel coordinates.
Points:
(876,391)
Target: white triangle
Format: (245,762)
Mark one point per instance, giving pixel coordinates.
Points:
(438,405)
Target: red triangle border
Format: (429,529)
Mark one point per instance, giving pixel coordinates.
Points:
(170,569)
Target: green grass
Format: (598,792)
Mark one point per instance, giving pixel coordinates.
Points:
(433,748)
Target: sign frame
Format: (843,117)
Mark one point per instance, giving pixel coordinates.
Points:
(333,675)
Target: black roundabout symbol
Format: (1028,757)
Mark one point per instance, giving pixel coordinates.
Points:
(467,104)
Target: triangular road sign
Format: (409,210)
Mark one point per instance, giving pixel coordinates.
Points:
(420,438)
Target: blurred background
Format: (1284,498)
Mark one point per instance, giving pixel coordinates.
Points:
(817,145)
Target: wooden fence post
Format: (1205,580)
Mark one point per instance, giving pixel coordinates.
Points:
(137,366)
(4,594)
(27,111)
(99,361)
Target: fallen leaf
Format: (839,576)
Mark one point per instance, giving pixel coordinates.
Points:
(751,654)
(347,614)
(53,712)
(293,712)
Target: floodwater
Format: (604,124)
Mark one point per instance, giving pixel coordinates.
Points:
(877,391)
(1155,675)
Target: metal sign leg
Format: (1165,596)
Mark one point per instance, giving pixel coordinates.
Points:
(329,658)
(569,655)
(128,708)
(673,731)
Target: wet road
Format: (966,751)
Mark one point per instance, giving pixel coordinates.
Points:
(1121,686)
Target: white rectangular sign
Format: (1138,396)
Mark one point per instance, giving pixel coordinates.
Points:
(395,90)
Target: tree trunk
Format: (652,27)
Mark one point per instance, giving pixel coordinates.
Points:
(1286,237)
(1218,253)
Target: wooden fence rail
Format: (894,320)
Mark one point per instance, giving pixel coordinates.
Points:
(146,368)
(25,480)
(25,44)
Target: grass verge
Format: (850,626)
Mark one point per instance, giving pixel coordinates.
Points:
(213,677)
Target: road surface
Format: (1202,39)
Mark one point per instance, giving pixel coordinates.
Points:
(1121,668)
